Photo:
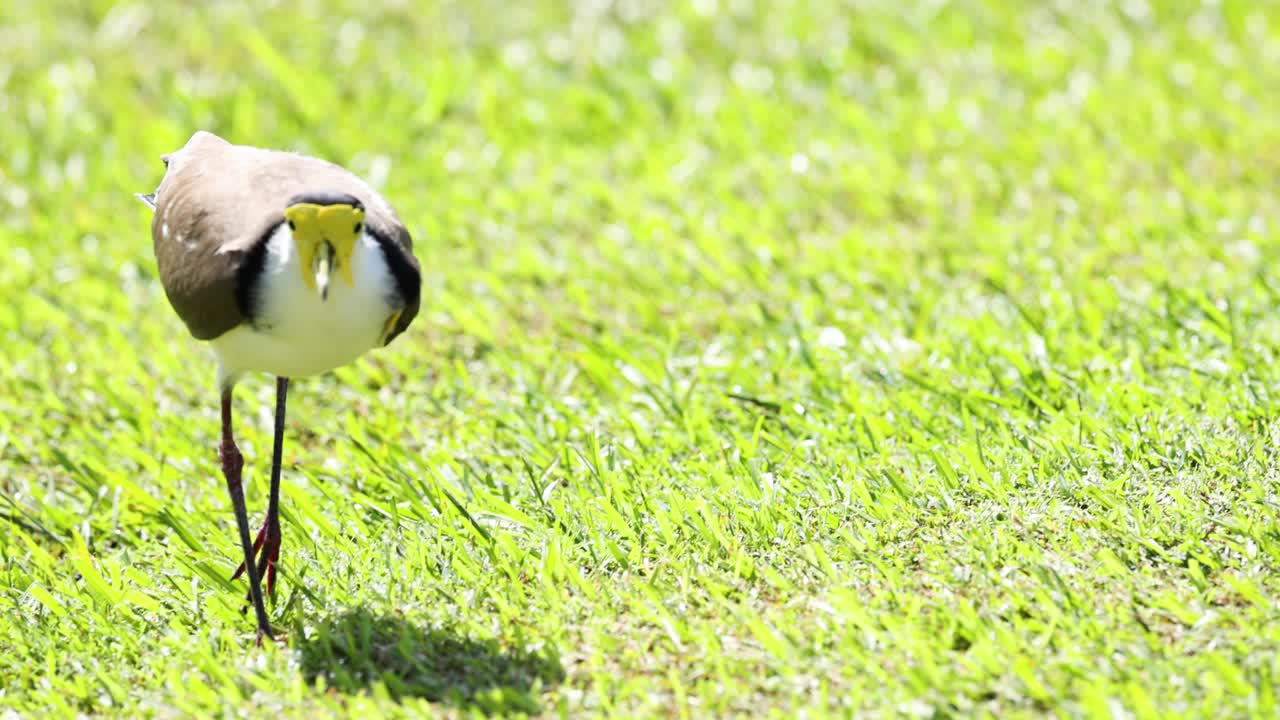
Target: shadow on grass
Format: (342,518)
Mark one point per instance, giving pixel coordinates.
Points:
(357,650)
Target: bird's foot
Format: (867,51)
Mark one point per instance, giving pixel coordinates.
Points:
(266,551)
(269,634)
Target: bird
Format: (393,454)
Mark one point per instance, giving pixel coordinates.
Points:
(284,264)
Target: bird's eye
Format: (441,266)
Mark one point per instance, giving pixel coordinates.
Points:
(359,227)
(292,226)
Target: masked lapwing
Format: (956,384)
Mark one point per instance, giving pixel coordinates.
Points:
(284,264)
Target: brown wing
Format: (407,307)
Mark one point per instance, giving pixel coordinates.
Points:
(218,201)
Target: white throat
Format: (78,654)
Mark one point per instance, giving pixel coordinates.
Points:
(297,334)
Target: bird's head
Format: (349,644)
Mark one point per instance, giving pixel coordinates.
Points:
(325,227)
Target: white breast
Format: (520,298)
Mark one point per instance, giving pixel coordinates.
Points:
(295,333)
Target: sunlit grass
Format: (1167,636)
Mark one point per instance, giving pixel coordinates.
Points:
(904,358)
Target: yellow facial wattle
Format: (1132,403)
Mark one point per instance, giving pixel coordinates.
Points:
(326,237)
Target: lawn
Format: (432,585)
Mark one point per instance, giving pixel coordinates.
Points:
(776,359)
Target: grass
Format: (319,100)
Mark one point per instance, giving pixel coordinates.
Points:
(776,359)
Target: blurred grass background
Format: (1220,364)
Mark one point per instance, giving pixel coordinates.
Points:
(776,359)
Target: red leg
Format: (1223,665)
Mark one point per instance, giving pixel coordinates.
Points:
(257,545)
(232,462)
(270,553)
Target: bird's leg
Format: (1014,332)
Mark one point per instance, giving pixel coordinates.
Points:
(232,463)
(266,547)
(271,548)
